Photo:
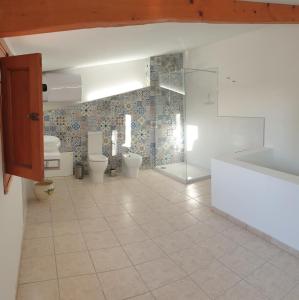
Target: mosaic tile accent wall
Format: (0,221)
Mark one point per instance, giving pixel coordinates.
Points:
(153,112)
(72,123)
(169,141)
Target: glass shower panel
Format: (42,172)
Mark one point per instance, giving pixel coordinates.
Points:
(185,112)
(210,134)
(201,100)
(189,130)
(170,120)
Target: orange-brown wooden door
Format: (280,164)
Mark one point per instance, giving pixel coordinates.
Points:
(22,115)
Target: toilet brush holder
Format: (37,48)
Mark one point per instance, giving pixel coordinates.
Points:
(113,172)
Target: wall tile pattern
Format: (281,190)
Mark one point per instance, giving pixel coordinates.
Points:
(72,123)
(168,105)
(153,112)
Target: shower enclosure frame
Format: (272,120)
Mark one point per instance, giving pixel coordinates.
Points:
(179,171)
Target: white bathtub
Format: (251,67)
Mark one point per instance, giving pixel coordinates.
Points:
(260,192)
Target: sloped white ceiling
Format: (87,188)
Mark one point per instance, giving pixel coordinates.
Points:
(100,46)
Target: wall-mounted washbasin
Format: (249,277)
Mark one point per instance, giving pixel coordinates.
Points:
(51,143)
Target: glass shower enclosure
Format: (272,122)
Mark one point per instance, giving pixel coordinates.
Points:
(185,96)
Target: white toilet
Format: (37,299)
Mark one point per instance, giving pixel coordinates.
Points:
(131,163)
(96,160)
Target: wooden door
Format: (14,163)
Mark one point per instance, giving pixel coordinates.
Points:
(22,115)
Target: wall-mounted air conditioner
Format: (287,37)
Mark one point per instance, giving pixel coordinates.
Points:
(62,87)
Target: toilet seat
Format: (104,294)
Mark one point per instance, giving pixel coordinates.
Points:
(97,158)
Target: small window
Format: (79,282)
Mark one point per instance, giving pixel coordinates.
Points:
(178,132)
(114,142)
(128,131)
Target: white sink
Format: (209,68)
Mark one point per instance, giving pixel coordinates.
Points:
(51,143)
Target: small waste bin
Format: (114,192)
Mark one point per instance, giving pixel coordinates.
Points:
(113,172)
(79,171)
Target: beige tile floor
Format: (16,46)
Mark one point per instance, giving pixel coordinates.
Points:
(146,238)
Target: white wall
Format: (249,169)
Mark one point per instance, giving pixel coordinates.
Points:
(215,135)
(11,234)
(269,199)
(108,80)
(27,193)
(265,158)
(265,65)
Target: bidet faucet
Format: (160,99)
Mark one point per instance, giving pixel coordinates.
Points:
(126,150)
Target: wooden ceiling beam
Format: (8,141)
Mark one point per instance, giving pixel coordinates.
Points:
(22,17)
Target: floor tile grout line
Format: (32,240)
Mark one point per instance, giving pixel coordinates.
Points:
(132,265)
(91,260)
(149,236)
(179,250)
(53,255)
(190,274)
(56,265)
(152,261)
(241,275)
(244,277)
(119,246)
(251,273)
(181,279)
(231,270)
(144,294)
(293,289)
(147,261)
(283,271)
(214,258)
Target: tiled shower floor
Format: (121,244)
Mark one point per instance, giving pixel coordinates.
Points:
(151,238)
(184,172)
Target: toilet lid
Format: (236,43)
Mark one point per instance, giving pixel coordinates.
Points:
(97,157)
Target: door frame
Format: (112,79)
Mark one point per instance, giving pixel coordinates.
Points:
(7,178)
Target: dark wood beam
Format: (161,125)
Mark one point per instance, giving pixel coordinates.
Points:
(21,17)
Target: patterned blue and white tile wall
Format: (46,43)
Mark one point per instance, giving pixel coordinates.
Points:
(153,121)
(168,105)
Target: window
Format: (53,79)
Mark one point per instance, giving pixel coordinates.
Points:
(178,132)
(128,131)
(114,142)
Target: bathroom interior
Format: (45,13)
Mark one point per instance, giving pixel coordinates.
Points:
(171,165)
(171,125)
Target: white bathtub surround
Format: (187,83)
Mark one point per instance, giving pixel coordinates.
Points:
(250,188)
(268,158)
